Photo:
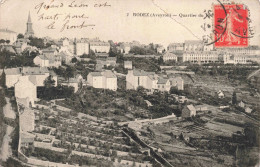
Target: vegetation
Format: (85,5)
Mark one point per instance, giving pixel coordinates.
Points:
(54,92)
(149,50)
(235,72)
(20,36)
(91,55)
(9,59)
(37,42)
(2,125)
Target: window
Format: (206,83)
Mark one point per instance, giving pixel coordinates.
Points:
(138,81)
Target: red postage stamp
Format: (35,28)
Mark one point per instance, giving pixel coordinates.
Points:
(231,25)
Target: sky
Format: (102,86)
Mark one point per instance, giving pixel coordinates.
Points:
(116,21)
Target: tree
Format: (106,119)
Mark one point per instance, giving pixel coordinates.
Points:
(234,98)
(2,41)
(112,52)
(20,36)
(37,42)
(74,60)
(69,72)
(7,41)
(49,82)
(174,90)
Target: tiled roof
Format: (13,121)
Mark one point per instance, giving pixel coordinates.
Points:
(96,73)
(50,49)
(162,81)
(141,73)
(99,43)
(43,57)
(169,54)
(34,70)
(109,74)
(12,71)
(193,42)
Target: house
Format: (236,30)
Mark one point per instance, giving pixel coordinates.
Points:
(50,51)
(175,47)
(11,76)
(104,80)
(201,56)
(21,44)
(136,78)
(100,46)
(107,61)
(109,80)
(8,48)
(72,82)
(193,45)
(248,110)
(235,58)
(124,48)
(75,82)
(41,61)
(111,61)
(24,88)
(8,35)
(128,65)
(54,61)
(163,84)
(188,111)
(66,57)
(177,82)
(95,79)
(37,75)
(242,104)
(220,94)
(151,81)
(79,78)
(82,47)
(160,49)
(168,56)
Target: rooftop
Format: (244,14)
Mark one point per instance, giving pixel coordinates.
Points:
(96,73)
(7,31)
(162,81)
(141,72)
(109,74)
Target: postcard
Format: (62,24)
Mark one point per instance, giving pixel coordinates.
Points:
(129,83)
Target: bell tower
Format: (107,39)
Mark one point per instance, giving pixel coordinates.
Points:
(29,31)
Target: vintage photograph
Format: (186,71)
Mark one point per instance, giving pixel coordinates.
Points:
(129,83)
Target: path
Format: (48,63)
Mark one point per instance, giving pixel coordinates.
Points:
(8,111)
(6,150)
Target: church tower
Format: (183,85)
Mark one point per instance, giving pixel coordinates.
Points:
(29,31)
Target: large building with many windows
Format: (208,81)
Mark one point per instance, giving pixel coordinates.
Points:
(8,35)
(202,57)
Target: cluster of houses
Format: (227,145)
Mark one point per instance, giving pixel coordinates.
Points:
(151,81)
(195,51)
(25,81)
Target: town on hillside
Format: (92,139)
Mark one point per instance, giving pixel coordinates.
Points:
(89,102)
